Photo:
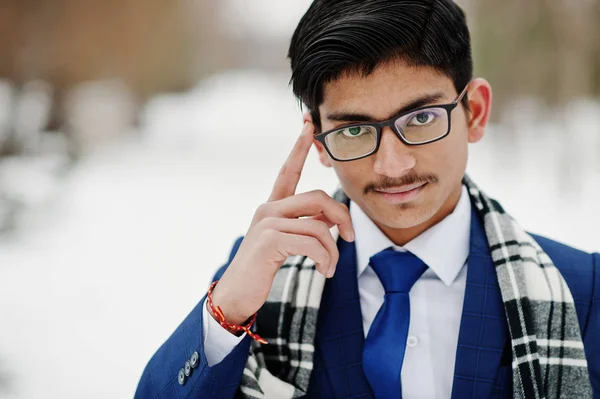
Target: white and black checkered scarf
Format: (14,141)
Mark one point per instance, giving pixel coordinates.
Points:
(547,350)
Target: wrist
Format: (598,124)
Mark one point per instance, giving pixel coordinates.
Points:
(216,318)
(228,306)
(217,313)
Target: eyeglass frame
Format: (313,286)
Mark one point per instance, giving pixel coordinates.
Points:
(320,137)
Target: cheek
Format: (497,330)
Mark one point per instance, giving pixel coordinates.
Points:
(353,176)
(456,163)
(445,158)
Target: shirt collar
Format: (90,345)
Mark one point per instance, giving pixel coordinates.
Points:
(444,247)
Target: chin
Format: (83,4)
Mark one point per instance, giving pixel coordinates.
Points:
(408,220)
(404,216)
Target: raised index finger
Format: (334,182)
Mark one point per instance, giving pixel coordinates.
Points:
(289,175)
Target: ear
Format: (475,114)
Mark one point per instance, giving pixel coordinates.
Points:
(480,102)
(323,155)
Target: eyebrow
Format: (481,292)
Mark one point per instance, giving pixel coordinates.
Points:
(416,103)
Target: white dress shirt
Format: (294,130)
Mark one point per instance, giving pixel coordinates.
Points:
(436,300)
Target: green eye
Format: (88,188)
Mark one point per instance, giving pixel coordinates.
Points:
(423,118)
(352,132)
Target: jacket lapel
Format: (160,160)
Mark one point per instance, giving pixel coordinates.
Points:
(483,356)
(483,337)
(340,337)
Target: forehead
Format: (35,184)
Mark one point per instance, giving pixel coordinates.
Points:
(382,92)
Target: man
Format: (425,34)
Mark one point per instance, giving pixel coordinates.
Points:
(430,290)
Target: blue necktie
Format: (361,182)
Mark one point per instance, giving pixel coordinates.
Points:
(386,340)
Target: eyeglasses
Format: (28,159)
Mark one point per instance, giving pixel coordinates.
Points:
(419,126)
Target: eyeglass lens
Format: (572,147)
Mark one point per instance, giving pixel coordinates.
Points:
(416,127)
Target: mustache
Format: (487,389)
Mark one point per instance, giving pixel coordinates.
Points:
(407,180)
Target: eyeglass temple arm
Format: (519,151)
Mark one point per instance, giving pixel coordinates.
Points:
(462,94)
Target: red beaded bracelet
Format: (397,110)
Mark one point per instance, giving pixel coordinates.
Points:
(232,327)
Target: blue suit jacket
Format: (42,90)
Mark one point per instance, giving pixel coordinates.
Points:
(483,358)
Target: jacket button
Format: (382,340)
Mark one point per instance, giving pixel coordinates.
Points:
(194,360)
(181,377)
(187,369)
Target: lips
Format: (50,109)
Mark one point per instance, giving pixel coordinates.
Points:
(399,190)
(399,195)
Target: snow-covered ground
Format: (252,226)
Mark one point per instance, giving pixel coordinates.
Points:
(99,274)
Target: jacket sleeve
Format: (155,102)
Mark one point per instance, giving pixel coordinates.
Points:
(162,377)
(591,338)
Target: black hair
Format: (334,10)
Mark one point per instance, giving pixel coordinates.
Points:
(345,36)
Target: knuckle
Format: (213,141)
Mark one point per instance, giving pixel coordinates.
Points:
(317,193)
(318,198)
(262,211)
(321,251)
(345,211)
(321,228)
(334,259)
(344,207)
(326,256)
(310,241)
(269,236)
(323,196)
(267,222)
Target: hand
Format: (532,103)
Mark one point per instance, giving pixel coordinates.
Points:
(287,224)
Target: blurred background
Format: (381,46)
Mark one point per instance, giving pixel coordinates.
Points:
(137,137)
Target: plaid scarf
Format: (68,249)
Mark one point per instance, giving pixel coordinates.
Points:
(547,349)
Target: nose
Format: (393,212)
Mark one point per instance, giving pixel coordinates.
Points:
(393,159)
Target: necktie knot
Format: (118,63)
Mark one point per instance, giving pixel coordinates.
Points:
(397,271)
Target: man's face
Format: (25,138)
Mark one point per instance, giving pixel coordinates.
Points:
(440,164)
